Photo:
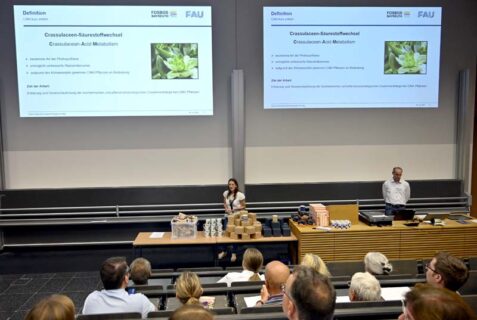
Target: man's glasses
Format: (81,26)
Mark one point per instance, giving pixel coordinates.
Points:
(428,267)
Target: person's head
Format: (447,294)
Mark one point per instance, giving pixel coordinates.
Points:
(233,186)
(140,271)
(397,174)
(308,295)
(446,271)
(276,274)
(364,287)
(191,312)
(58,307)
(253,261)
(188,288)
(427,302)
(376,263)
(315,262)
(115,273)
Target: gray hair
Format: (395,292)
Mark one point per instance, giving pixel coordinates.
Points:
(365,287)
(376,263)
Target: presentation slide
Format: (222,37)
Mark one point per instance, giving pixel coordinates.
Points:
(351,57)
(88,61)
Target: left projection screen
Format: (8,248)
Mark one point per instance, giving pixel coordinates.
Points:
(88,61)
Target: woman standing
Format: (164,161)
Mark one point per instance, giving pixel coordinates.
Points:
(234,201)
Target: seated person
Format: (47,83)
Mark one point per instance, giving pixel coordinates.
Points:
(425,301)
(308,295)
(251,264)
(140,271)
(188,288)
(446,271)
(313,261)
(191,312)
(364,287)
(58,307)
(377,264)
(114,298)
(276,275)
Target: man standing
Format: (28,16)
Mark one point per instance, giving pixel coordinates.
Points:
(308,295)
(114,298)
(396,192)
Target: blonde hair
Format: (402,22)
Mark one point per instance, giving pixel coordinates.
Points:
(188,288)
(313,261)
(253,261)
(58,307)
(376,263)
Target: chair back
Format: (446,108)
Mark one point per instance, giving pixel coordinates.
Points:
(110,316)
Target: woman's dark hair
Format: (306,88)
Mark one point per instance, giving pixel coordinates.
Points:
(236,189)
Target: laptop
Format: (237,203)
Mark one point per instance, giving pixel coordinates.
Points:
(404,214)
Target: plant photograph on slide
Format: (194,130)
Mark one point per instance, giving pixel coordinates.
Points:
(405,57)
(174,61)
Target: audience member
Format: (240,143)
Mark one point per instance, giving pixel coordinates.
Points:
(377,264)
(188,288)
(364,287)
(308,295)
(57,307)
(140,271)
(114,298)
(446,271)
(313,261)
(191,312)
(276,274)
(251,264)
(427,302)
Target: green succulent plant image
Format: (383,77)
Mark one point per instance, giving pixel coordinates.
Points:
(405,57)
(174,61)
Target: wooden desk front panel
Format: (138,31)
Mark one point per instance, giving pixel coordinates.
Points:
(397,242)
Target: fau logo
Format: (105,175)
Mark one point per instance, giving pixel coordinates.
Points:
(194,14)
(425,14)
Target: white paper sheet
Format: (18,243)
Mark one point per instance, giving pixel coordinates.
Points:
(251,301)
(156,235)
(394,293)
(342,299)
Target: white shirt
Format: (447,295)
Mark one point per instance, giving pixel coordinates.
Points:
(396,192)
(235,202)
(117,300)
(238,276)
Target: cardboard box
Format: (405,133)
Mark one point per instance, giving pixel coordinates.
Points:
(344,212)
(239,230)
(250,229)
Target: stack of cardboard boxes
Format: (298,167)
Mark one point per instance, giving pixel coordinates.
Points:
(243,225)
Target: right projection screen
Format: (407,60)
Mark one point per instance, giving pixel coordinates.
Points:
(351,57)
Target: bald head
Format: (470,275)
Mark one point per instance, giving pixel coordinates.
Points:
(276,274)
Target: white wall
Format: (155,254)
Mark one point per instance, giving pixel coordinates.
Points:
(281,145)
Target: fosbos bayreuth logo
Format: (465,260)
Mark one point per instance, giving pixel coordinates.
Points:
(394,14)
(194,14)
(159,14)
